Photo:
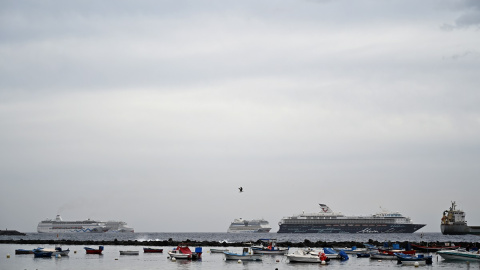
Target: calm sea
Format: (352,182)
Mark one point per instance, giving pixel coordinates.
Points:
(112,260)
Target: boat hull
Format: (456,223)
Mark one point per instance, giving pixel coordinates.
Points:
(246,257)
(23,251)
(379,256)
(129,252)
(304,258)
(214,250)
(152,250)
(351,228)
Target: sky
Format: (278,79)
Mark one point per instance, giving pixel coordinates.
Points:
(155,112)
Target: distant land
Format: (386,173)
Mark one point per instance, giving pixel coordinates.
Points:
(11,232)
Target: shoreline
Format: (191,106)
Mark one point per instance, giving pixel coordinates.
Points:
(170,242)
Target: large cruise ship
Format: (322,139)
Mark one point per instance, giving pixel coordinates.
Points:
(327,221)
(240,225)
(58,225)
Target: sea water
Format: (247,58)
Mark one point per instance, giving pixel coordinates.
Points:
(111,258)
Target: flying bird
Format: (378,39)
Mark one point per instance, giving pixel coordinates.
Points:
(241,189)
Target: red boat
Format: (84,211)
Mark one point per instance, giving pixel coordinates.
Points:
(94,251)
(152,250)
(434,248)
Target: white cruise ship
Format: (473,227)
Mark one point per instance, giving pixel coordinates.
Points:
(58,225)
(118,226)
(240,225)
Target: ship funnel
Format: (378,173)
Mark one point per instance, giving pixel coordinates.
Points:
(58,218)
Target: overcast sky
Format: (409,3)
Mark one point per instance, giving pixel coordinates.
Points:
(155,112)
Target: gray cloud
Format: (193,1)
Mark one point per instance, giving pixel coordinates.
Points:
(119,102)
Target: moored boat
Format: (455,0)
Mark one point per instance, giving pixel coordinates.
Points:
(152,250)
(129,252)
(459,254)
(382,256)
(23,251)
(218,250)
(353,250)
(307,256)
(434,248)
(246,255)
(40,253)
(94,250)
(269,246)
(333,254)
(184,252)
(406,259)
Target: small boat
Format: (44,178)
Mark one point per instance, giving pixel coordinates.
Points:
(93,250)
(393,251)
(308,256)
(269,246)
(184,252)
(152,250)
(396,249)
(56,251)
(434,248)
(129,252)
(363,255)
(406,259)
(333,254)
(23,251)
(40,253)
(382,256)
(246,255)
(218,250)
(459,254)
(353,250)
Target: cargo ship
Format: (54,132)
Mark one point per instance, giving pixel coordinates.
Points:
(327,221)
(240,225)
(58,225)
(453,222)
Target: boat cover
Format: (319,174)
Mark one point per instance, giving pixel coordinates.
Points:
(184,250)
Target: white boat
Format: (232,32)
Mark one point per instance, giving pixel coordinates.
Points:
(382,256)
(56,251)
(240,225)
(129,252)
(269,246)
(459,254)
(246,255)
(184,252)
(353,250)
(308,256)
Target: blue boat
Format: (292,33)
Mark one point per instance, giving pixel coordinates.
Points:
(40,253)
(407,259)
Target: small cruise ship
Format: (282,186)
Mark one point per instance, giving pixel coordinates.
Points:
(240,225)
(58,225)
(327,221)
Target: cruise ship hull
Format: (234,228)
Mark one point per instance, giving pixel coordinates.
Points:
(350,228)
